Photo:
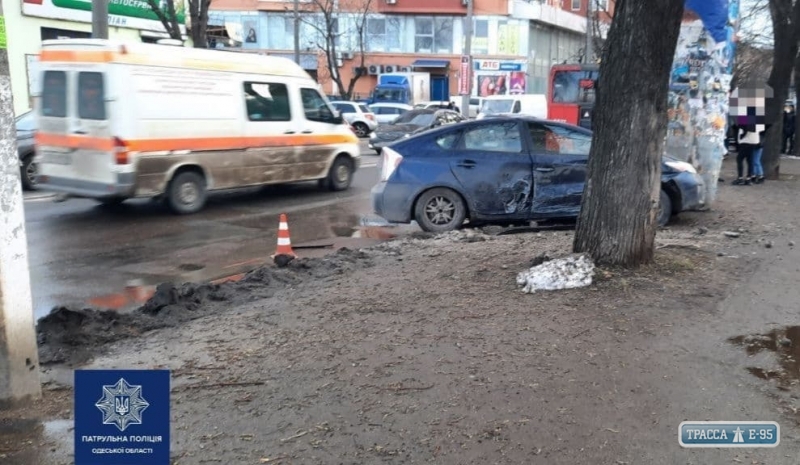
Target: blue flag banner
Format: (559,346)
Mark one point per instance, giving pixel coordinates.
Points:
(122,417)
(714,14)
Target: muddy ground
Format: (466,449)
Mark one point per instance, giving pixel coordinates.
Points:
(424,350)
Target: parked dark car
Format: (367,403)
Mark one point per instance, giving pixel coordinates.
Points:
(26,130)
(410,123)
(503,169)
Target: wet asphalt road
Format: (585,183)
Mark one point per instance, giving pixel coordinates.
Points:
(81,253)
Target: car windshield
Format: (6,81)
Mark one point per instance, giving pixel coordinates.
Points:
(497,106)
(387,95)
(416,118)
(26,122)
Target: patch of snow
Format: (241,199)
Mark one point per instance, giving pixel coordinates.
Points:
(569,272)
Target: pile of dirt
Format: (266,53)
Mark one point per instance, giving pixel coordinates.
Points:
(71,336)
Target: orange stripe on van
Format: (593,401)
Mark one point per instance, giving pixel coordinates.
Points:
(124,57)
(75,142)
(83,56)
(198,144)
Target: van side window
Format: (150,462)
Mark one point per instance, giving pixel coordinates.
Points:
(54,94)
(91,96)
(517,107)
(266,101)
(315,107)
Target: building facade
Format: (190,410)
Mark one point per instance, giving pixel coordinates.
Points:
(29,22)
(514,41)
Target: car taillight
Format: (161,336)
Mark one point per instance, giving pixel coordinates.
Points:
(370,116)
(391,160)
(121,151)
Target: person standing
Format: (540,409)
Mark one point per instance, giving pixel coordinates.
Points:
(787,147)
(758,169)
(748,141)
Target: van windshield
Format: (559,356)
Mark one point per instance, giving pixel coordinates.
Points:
(387,95)
(494,106)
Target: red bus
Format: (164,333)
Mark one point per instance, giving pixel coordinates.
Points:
(570,98)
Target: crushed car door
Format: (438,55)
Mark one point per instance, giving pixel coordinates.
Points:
(559,169)
(494,170)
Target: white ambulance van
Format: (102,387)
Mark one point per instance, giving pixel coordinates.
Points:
(524,104)
(119,120)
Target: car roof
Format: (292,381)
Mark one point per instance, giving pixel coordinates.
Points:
(390,104)
(526,118)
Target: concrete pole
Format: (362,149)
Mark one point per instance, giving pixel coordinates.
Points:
(468,52)
(100,19)
(19,356)
(297,31)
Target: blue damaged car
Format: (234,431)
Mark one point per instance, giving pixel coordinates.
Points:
(511,169)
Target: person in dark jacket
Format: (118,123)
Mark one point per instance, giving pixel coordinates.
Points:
(787,146)
(748,141)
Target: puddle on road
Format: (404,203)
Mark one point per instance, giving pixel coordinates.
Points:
(363,226)
(785,344)
(337,224)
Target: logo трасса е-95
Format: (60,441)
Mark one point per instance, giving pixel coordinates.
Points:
(729,434)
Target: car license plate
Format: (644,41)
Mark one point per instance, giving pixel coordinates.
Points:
(58,158)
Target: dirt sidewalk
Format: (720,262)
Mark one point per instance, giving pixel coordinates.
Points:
(424,350)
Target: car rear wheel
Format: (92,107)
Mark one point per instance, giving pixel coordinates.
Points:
(440,210)
(361,129)
(29,169)
(664,209)
(187,193)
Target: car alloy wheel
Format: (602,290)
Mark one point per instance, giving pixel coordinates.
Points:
(440,210)
(361,129)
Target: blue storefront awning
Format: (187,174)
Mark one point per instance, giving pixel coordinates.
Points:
(431,64)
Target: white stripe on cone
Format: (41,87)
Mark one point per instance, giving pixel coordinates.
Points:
(284,241)
(283,226)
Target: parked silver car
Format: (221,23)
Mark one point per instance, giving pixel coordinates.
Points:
(357,115)
(26,130)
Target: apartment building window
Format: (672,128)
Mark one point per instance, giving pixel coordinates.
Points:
(480,37)
(443,34)
(433,35)
(423,35)
(576,5)
(280,32)
(383,34)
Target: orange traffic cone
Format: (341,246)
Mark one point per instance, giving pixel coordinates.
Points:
(284,241)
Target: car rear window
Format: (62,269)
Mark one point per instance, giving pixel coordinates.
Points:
(364,109)
(54,94)
(91,96)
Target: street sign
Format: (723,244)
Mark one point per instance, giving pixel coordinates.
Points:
(465,76)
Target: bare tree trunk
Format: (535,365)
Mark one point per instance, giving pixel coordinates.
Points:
(168,18)
(795,150)
(198,11)
(617,222)
(785,20)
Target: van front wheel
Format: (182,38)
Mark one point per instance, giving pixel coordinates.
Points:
(187,193)
(341,174)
